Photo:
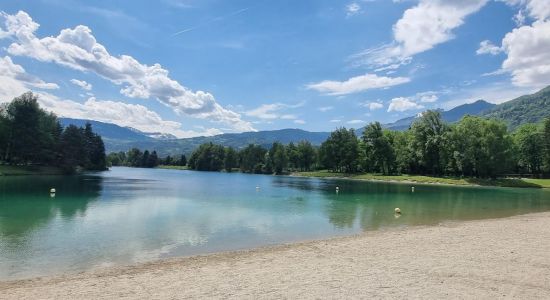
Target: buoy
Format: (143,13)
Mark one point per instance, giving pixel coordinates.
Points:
(52,191)
(397,210)
(257,188)
(337,188)
(412,189)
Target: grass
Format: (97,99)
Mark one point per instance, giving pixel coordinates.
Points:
(6,170)
(501,182)
(173,167)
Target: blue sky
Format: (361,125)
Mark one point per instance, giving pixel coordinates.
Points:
(190,67)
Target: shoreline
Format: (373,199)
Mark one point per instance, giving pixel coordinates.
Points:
(442,181)
(482,258)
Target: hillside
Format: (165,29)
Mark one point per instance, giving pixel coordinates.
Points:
(451,116)
(525,109)
(235,140)
(108,131)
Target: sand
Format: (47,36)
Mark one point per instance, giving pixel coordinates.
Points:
(477,259)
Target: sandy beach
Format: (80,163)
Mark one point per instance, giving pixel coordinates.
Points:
(499,258)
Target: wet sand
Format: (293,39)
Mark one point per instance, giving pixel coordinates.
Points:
(495,258)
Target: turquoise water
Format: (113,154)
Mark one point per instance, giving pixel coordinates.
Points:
(127,216)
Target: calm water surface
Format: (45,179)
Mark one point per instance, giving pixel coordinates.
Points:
(126,216)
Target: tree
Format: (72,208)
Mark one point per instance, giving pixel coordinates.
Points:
(479,147)
(134,157)
(183,160)
(529,141)
(546,136)
(231,159)
(340,152)
(73,147)
(278,158)
(252,159)
(428,142)
(378,150)
(306,154)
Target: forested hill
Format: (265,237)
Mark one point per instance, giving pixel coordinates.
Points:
(525,109)
(234,140)
(453,115)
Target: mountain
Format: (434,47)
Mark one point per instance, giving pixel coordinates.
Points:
(525,109)
(235,140)
(453,115)
(109,131)
(119,138)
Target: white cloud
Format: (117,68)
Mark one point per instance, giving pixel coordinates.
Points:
(486,47)
(356,84)
(528,54)
(422,27)
(272,111)
(402,104)
(355,122)
(335,121)
(299,121)
(17,72)
(372,105)
(353,9)
(78,49)
(325,108)
(82,84)
(14,81)
(427,97)
(120,113)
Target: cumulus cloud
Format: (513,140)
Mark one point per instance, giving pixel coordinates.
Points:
(372,105)
(78,49)
(528,55)
(299,121)
(526,47)
(9,69)
(402,104)
(272,111)
(356,84)
(120,113)
(355,122)
(486,47)
(422,27)
(82,84)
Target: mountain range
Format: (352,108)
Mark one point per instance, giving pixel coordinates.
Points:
(525,109)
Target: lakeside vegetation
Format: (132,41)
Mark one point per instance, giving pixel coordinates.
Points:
(32,141)
(501,182)
(475,150)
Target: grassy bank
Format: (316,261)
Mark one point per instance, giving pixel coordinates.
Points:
(503,182)
(173,167)
(6,170)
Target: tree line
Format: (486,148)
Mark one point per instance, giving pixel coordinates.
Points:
(31,136)
(473,147)
(137,159)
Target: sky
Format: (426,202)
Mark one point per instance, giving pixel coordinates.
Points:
(206,67)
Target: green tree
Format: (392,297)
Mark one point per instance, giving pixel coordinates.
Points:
(428,142)
(307,155)
(340,152)
(231,159)
(278,157)
(530,141)
(546,136)
(379,153)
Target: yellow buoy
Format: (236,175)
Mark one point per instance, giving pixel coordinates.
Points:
(397,210)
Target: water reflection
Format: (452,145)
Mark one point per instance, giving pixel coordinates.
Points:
(133,215)
(25,202)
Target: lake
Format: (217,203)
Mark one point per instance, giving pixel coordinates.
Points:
(128,216)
